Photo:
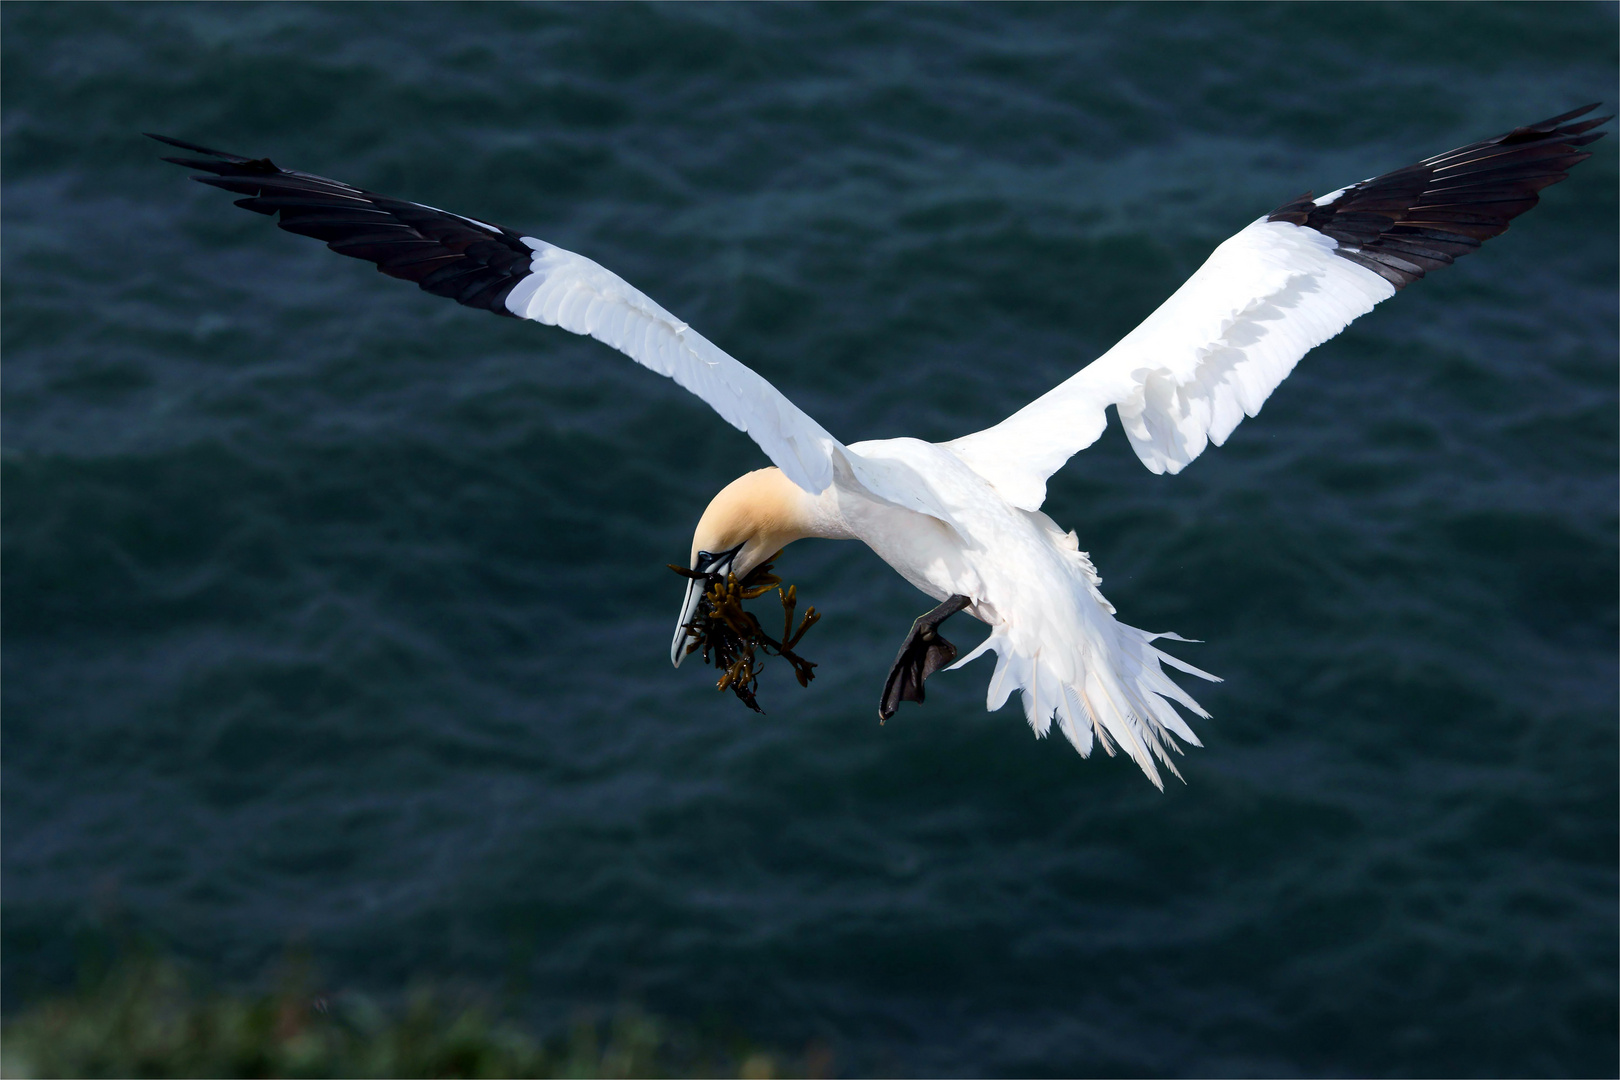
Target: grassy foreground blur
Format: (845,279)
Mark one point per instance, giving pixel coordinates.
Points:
(148,1017)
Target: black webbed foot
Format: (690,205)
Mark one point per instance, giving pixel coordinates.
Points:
(921,654)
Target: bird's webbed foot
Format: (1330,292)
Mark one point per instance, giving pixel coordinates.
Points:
(921,654)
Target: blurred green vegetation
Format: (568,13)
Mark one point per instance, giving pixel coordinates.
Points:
(150,1017)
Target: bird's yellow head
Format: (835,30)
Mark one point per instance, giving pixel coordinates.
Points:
(745,527)
(754,517)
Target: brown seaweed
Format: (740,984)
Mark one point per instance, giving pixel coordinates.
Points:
(732,638)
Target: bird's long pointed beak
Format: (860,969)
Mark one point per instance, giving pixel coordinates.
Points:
(695,588)
(705,563)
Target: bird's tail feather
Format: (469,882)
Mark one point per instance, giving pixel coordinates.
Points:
(1114,693)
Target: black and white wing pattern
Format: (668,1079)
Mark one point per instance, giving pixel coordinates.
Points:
(1214,351)
(485,266)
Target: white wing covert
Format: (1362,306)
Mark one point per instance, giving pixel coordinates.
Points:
(568,290)
(1209,355)
(1213,353)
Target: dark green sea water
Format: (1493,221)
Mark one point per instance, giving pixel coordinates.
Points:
(335,615)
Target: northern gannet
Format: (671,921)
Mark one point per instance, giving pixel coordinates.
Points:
(962,520)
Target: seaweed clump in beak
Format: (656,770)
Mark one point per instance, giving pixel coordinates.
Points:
(733,640)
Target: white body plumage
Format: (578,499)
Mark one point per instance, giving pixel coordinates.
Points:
(1054,634)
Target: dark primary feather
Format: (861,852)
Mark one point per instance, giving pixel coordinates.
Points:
(469,261)
(1405,223)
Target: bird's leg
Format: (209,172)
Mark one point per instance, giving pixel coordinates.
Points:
(921,654)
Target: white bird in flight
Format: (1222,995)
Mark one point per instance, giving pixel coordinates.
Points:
(962,520)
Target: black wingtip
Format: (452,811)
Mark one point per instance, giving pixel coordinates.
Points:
(223,164)
(1572,114)
(181,143)
(1560,125)
(195,148)
(1557,124)
(1408,222)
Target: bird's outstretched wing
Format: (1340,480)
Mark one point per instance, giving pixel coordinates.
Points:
(486,266)
(1220,345)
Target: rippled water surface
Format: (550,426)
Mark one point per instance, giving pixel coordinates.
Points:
(337,614)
